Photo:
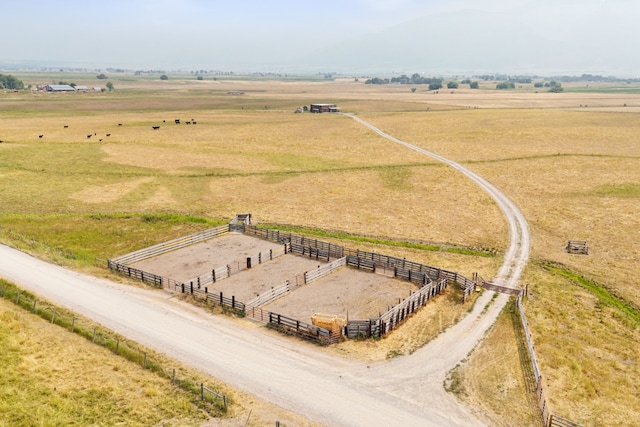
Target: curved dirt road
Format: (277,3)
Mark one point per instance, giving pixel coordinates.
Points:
(405,391)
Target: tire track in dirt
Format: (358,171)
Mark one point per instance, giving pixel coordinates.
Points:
(421,375)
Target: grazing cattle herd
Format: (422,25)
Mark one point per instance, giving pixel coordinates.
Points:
(177,121)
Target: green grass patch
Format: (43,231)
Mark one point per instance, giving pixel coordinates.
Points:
(380,241)
(82,238)
(623,191)
(605,297)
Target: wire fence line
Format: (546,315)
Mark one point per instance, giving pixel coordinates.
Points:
(549,419)
(216,403)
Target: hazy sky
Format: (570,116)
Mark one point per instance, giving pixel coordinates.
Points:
(275,35)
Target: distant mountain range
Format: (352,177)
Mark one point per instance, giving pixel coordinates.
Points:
(569,37)
(477,42)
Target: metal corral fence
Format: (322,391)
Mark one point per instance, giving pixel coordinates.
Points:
(431,280)
(289,285)
(378,327)
(304,330)
(549,419)
(172,245)
(225,271)
(313,248)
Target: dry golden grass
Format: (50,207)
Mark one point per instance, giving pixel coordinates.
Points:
(572,171)
(497,378)
(51,377)
(277,166)
(574,176)
(587,350)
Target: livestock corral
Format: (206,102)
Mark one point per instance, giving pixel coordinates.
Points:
(312,289)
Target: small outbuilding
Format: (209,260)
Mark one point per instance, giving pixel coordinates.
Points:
(324,108)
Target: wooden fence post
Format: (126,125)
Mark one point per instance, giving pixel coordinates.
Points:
(117,346)
(144,363)
(94,335)
(213,275)
(34,305)
(73,323)
(53,314)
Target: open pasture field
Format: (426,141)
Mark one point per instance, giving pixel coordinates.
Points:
(570,161)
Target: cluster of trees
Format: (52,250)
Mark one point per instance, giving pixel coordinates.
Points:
(506,85)
(596,78)
(101,76)
(472,85)
(553,86)
(434,83)
(10,82)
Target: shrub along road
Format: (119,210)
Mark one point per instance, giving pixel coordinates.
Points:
(405,391)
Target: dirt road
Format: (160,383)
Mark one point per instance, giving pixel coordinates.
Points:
(406,391)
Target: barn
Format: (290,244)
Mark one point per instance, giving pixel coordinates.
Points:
(59,88)
(324,108)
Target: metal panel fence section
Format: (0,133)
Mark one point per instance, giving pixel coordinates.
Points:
(292,326)
(320,272)
(327,249)
(225,271)
(149,278)
(269,296)
(399,313)
(209,297)
(302,329)
(172,245)
(363,259)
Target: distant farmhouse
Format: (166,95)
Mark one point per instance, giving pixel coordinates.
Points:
(324,108)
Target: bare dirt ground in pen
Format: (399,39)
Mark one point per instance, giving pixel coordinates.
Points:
(347,292)
(196,260)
